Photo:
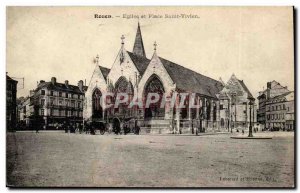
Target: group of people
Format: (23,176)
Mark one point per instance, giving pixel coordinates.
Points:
(254,130)
(89,127)
(72,127)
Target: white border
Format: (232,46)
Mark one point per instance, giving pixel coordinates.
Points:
(5,3)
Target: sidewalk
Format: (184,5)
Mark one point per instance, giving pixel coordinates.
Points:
(41,131)
(188,134)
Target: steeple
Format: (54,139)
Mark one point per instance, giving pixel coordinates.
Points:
(138,47)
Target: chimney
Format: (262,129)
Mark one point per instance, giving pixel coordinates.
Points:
(41,81)
(53,80)
(66,83)
(80,85)
(31,93)
(269,85)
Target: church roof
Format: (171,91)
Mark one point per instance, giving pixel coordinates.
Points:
(246,88)
(140,62)
(104,71)
(138,48)
(189,80)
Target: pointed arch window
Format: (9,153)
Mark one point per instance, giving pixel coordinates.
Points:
(154,85)
(97,106)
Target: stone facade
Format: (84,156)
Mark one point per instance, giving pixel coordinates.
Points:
(26,110)
(11,103)
(54,103)
(280,112)
(137,75)
(266,111)
(235,100)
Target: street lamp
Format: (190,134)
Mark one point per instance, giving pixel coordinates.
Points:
(250,126)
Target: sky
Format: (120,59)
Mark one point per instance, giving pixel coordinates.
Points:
(254,43)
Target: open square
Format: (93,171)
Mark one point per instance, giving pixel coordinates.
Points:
(57,159)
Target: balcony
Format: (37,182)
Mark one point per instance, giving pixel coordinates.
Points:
(48,105)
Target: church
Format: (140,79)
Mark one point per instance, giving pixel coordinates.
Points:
(137,76)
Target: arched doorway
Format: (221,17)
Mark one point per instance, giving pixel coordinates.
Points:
(124,86)
(97,106)
(154,85)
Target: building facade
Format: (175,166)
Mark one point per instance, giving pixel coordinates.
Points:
(280,112)
(272,102)
(52,103)
(137,75)
(11,103)
(290,123)
(26,111)
(237,106)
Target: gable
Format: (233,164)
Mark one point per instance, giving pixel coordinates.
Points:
(123,67)
(97,80)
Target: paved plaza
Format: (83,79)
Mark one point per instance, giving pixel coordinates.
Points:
(80,160)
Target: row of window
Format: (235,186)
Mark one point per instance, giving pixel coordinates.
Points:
(11,86)
(275,116)
(276,107)
(68,103)
(62,94)
(62,113)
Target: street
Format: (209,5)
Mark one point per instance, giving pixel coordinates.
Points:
(55,159)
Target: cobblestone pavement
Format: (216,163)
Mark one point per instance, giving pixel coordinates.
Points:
(80,160)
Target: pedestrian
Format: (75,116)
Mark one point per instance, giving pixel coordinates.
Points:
(65,127)
(87,127)
(126,130)
(92,130)
(76,127)
(243,131)
(36,128)
(80,128)
(72,128)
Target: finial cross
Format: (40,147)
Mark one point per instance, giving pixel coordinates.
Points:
(155,44)
(122,38)
(97,59)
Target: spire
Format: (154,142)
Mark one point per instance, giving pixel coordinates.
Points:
(122,56)
(138,47)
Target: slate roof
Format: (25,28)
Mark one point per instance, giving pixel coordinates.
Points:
(282,95)
(104,71)
(140,62)
(246,89)
(10,79)
(189,80)
(138,48)
(61,87)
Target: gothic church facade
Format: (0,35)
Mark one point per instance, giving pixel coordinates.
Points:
(135,74)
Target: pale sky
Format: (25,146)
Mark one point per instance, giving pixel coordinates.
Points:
(254,43)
